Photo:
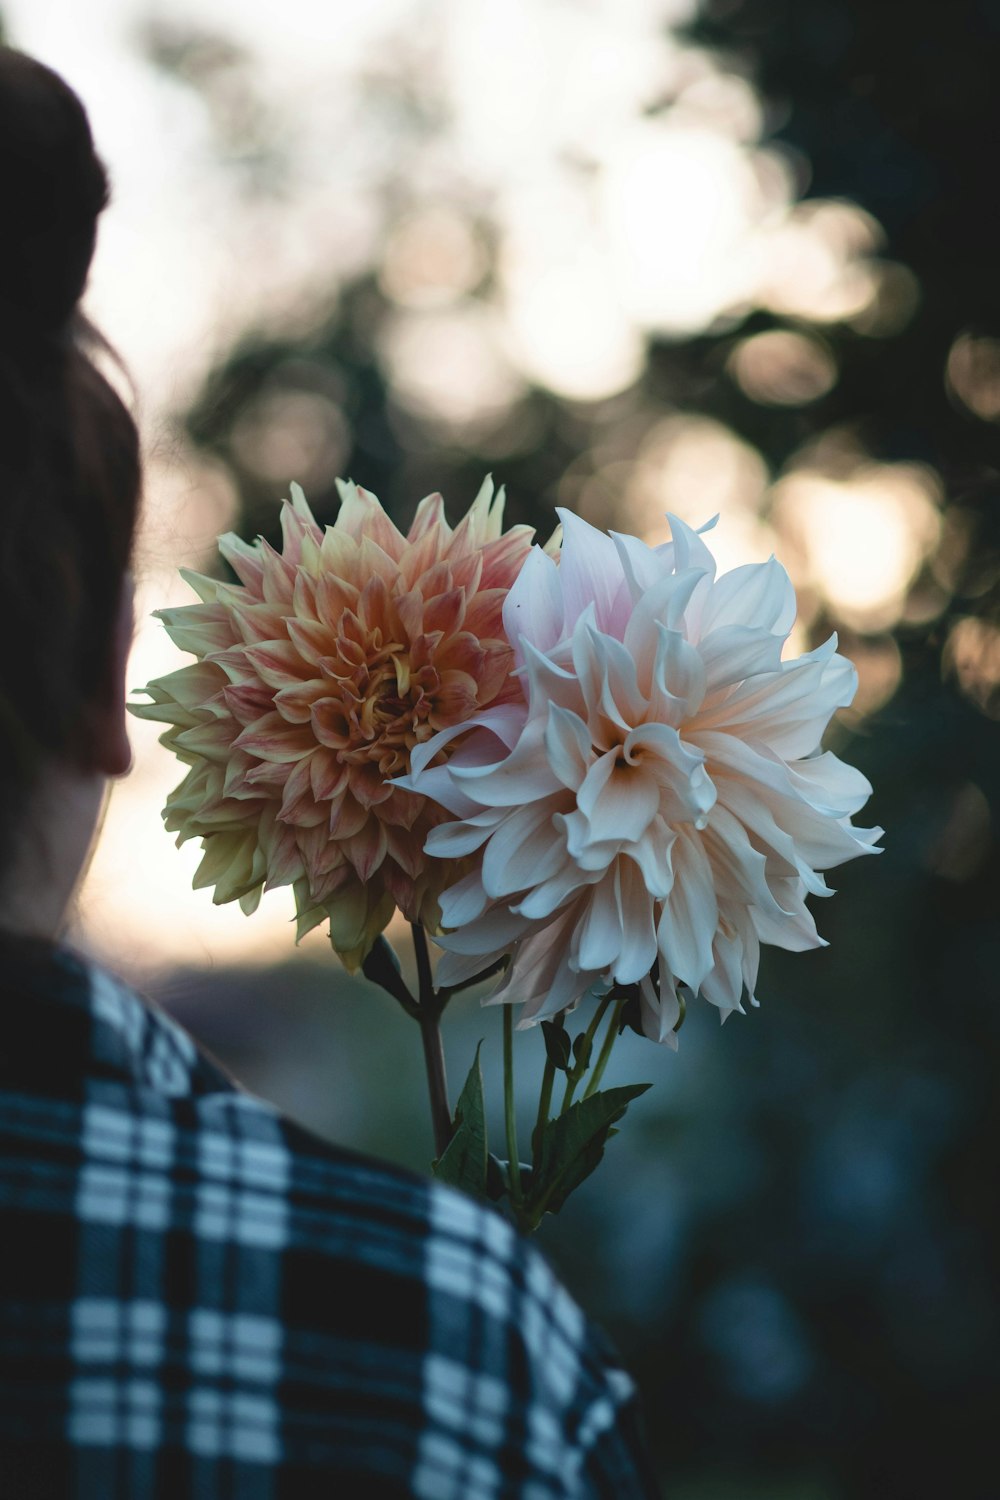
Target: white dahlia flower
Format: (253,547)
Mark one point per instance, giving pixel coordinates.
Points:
(657,804)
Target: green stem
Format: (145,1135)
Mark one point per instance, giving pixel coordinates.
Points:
(429,1016)
(544,1109)
(605,1052)
(437,1082)
(425,976)
(513,1167)
(579,1068)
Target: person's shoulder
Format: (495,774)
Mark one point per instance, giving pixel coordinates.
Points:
(451,1274)
(367,1321)
(342,1203)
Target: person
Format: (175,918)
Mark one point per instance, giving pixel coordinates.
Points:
(199,1298)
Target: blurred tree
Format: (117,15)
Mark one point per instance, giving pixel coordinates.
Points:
(799,1253)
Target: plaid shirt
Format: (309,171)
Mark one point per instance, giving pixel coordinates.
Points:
(201,1299)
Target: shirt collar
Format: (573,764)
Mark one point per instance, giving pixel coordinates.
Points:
(65,1021)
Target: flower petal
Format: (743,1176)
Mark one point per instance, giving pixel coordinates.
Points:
(590,574)
(533,611)
(524,850)
(567,744)
(761,592)
(690,914)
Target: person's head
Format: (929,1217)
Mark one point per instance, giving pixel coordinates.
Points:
(69,492)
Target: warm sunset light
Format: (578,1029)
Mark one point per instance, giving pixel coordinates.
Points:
(568,541)
(612,226)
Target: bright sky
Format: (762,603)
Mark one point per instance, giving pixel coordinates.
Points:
(613,222)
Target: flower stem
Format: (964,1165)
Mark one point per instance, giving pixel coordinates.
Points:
(425,977)
(580,1066)
(602,1061)
(544,1109)
(430,1034)
(513,1166)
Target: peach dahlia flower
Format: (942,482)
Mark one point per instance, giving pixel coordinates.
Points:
(316,676)
(661,805)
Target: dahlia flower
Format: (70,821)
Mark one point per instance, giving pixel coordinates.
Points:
(317,674)
(657,804)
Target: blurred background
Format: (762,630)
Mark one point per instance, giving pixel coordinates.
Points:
(629,255)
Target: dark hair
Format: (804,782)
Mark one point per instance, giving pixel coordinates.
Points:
(69,450)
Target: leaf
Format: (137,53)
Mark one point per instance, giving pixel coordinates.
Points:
(583,1045)
(464,1161)
(381,966)
(498,1177)
(557,1045)
(573,1145)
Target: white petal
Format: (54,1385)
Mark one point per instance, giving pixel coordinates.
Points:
(757,594)
(642,566)
(524,850)
(522,776)
(547,897)
(830,785)
(533,609)
(723,985)
(740,870)
(652,854)
(677,682)
(618,800)
(660,1012)
(638,941)
(546,681)
(494,932)
(456,840)
(686,792)
(541,975)
(459,968)
(663,604)
(567,742)
(689,549)
(589,571)
(690,914)
(733,653)
(598,939)
(504,722)
(794,929)
(583,849)
(821,841)
(783,858)
(787,710)
(467,900)
(607,675)
(565,990)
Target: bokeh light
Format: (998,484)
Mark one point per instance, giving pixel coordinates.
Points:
(537,194)
(634,256)
(972,653)
(859,538)
(973,375)
(783,368)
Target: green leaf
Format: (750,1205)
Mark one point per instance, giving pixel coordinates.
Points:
(463,1163)
(381,966)
(583,1045)
(498,1177)
(557,1045)
(573,1145)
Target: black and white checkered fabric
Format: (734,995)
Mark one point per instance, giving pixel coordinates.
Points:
(202,1300)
